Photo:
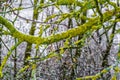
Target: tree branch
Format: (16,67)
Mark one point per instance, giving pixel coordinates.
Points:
(57,37)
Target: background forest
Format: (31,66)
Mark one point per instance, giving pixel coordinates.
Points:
(59,39)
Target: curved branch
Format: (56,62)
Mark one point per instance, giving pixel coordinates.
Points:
(57,37)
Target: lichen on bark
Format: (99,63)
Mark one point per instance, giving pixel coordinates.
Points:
(57,37)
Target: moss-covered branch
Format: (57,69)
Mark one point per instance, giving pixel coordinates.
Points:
(6,58)
(57,37)
(115,67)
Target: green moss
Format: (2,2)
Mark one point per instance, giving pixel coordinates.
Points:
(57,37)
(65,2)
